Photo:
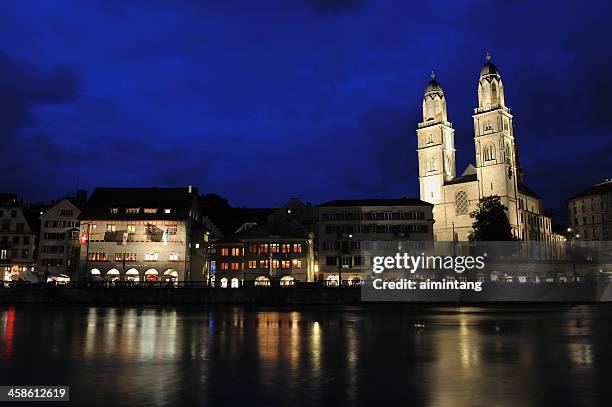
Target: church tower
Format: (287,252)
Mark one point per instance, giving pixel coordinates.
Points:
(436,147)
(496,162)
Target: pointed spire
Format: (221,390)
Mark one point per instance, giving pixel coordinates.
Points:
(433,74)
(488,56)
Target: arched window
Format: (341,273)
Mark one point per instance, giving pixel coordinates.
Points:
(431,164)
(461,203)
(508,155)
(262,281)
(224,282)
(489,152)
(234,283)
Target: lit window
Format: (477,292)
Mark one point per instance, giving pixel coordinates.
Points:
(235,266)
(111,228)
(286,264)
(224,266)
(235,251)
(252,264)
(150,210)
(286,248)
(114,210)
(151,256)
(172,229)
(297,248)
(297,264)
(173,257)
(167,210)
(224,251)
(263,248)
(131,229)
(263,264)
(274,248)
(132,211)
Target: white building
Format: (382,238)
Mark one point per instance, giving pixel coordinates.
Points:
(496,172)
(58,252)
(142,234)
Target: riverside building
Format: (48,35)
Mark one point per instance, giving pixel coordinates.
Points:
(142,234)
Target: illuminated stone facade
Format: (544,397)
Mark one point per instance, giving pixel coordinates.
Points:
(496,172)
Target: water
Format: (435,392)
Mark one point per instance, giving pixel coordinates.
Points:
(363,356)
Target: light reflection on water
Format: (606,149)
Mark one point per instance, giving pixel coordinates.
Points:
(315,356)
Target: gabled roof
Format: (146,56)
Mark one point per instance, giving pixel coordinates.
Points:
(273,230)
(376,202)
(178,200)
(525,190)
(596,189)
(231,219)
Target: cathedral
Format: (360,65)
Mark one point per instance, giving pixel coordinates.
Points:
(496,170)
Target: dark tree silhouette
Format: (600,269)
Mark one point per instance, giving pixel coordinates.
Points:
(491,221)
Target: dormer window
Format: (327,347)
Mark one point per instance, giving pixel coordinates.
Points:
(114,211)
(132,211)
(167,210)
(150,210)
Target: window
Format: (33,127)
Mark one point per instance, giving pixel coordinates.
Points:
(131,229)
(253,248)
(431,165)
(167,211)
(20,226)
(263,248)
(97,256)
(489,152)
(297,248)
(430,139)
(13,214)
(111,228)
(461,203)
(132,211)
(252,264)
(297,264)
(286,264)
(275,264)
(173,257)
(113,211)
(150,210)
(264,264)
(172,229)
(235,266)
(235,251)
(125,256)
(64,212)
(224,266)
(150,229)
(151,256)
(274,247)
(224,251)
(286,248)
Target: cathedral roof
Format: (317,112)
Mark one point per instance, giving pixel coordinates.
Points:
(489,68)
(433,85)
(525,190)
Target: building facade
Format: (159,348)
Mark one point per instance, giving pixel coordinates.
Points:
(590,213)
(496,170)
(350,229)
(18,232)
(59,249)
(142,234)
(280,251)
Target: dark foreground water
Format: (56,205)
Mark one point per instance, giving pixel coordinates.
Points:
(236,356)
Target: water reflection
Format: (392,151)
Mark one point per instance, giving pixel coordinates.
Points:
(317,356)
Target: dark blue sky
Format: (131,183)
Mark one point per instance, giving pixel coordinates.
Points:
(263,100)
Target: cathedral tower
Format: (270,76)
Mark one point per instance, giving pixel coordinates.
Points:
(436,145)
(494,142)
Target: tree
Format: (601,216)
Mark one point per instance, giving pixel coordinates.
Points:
(491,221)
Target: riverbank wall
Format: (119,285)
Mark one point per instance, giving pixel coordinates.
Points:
(491,293)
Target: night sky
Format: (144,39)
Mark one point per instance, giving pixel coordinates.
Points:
(260,101)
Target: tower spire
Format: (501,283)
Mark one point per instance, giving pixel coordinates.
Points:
(433,74)
(488,56)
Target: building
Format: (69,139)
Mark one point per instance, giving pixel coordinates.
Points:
(143,234)
(590,212)
(18,232)
(350,229)
(280,251)
(496,170)
(58,253)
